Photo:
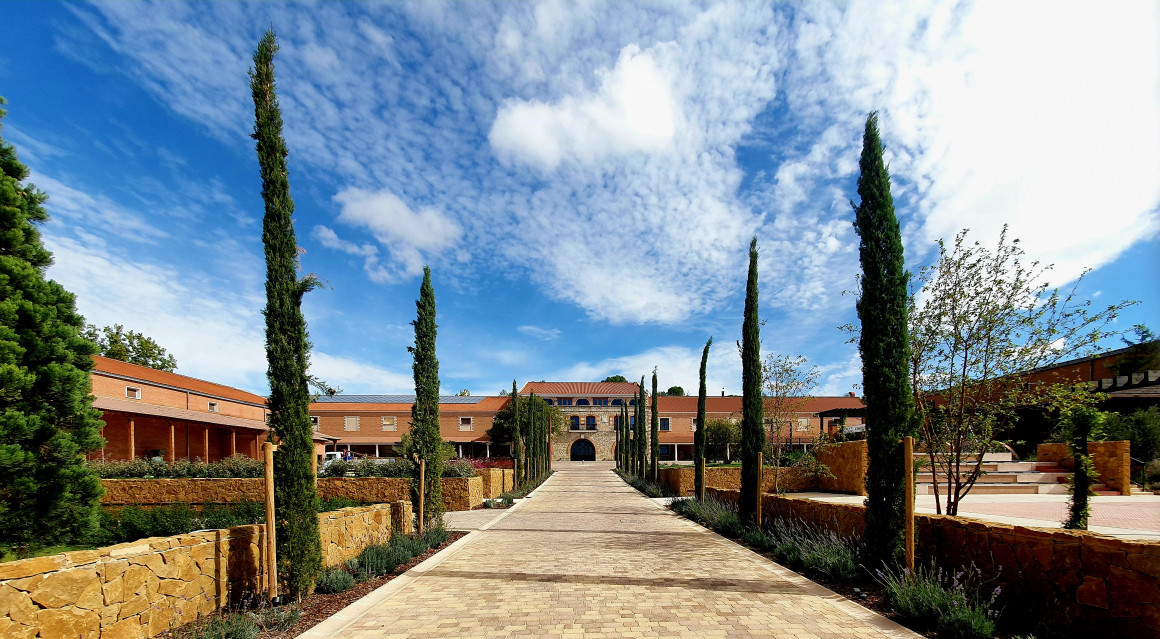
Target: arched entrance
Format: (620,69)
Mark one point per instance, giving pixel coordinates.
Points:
(583,450)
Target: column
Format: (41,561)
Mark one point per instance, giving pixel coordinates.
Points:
(172,444)
(233,442)
(205,443)
(132,439)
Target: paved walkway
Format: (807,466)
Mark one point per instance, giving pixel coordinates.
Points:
(589,556)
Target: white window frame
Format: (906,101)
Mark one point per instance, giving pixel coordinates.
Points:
(389,423)
(212,407)
(803,424)
(132,392)
(346,423)
(467,425)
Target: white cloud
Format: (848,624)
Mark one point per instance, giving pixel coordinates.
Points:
(355,376)
(370,254)
(676,366)
(536,332)
(93,212)
(633,110)
(407,235)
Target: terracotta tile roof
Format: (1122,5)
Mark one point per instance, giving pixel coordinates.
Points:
(486,404)
(141,408)
(732,404)
(154,376)
(581,389)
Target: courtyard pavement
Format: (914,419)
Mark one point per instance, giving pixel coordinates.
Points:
(586,555)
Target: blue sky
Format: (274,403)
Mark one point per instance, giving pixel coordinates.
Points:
(582,178)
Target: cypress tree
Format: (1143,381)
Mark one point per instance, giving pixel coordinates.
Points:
(654,431)
(47,420)
(517,439)
(752,426)
(424,438)
(296,527)
(622,449)
(885,349)
(642,436)
(534,434)
(699,434)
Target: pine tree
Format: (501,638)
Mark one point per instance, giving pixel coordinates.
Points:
(654,431)
(752,421)
(699,434)
(47,420)
(517,439)
(424,438)
(885,349)
(287,347)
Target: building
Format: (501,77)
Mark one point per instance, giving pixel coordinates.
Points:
(372,425)
(152,413)
(592,413)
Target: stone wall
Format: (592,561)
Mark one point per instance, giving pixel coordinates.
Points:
(1110,459)
(145,587)
(848,462)
(1066,578)
(371,490)
(496,481)
(680,480)
(462,493)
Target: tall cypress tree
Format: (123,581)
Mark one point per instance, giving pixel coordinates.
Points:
(299,550)
(641,431)
(885,349)
(654,431)
(517,438)
(534,434)
(424,438)
(752,426)
(47,420)
(699,434)
(622,449)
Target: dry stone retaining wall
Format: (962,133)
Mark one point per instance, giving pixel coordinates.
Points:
(143,588)
(847,461)
(1066,578)
(496,481)
(1110,459)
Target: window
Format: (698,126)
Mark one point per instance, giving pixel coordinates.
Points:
(582,402)
(664,423)
(574,423)
(663,450)
(803,424)
(616,402)
(693,424)
(632,421)
(616,421)
(389,423)
(132,392)
(213,407)
(548,401)
(350,422)
(632,402)
(590,422)
(464,423)
(564,401)
(600,401)
(314,421)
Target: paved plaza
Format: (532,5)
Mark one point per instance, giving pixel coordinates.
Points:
(587,555)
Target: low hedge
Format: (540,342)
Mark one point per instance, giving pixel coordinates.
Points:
(404,468)
(237,466)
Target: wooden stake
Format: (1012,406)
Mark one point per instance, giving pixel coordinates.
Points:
(422,490)
(908,451)
(760,486)
(268,449)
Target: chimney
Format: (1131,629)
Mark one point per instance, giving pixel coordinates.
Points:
(852,394)
(722,392)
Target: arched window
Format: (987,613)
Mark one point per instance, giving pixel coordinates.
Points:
(617,402)
(632,402)
(549,402)
(583,402)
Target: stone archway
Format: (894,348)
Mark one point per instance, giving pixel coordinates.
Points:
(583,450)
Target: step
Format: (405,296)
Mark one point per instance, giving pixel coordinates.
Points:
(986,489)
(987,457)
(1051,468)
(1023,477)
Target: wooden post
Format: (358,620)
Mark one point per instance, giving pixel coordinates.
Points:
(422,490)
(233,442)
(268,449)
(908,451)
(314,469)
(701,493)
(205,442)
(132,440)
(172,444)
(760,486)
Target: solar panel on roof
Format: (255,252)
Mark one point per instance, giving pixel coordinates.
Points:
(392,399)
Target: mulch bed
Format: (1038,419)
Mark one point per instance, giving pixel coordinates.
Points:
(317,607)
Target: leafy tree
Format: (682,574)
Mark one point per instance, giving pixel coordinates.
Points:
(885,351)
(1143,354)
(752,423)
(699,434)
(47,420)
(721,436)
(116,343)
(654,431)
(287,347)
(787,390)
(989,320)
(1141,428)
(675,391)
(615,378)
(424,438)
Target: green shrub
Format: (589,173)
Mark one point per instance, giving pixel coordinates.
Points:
(333,580)
(953,604)
(507,500)
(377,560)
(645,486)
(280,618)
(337,502)
(234,626)
(459,468)
(335,468)
(236,466)
(814,551)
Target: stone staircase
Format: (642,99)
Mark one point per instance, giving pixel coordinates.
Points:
(1002,476)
